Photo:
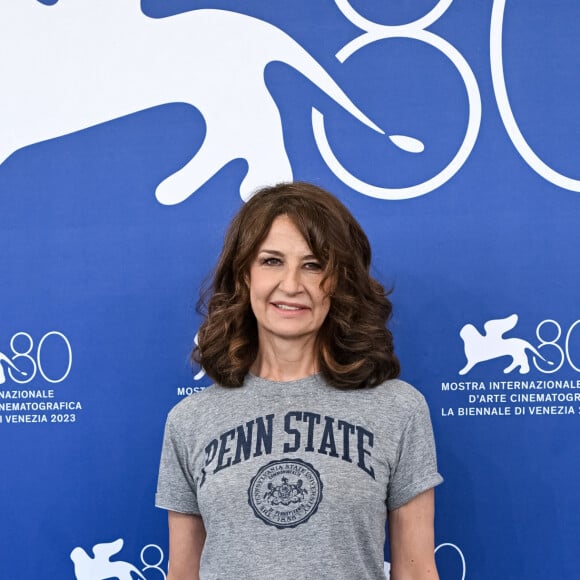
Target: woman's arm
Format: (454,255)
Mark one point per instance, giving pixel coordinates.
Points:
(412,539)
(186,539)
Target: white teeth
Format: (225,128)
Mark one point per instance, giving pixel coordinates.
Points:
(286,307)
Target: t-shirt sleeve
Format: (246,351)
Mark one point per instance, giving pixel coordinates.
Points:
(416,468)
(176,489)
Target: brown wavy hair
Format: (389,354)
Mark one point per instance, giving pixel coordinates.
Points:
(355,347)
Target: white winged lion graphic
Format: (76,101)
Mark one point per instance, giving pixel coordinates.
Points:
(482,347)
(100,567)
(79,63)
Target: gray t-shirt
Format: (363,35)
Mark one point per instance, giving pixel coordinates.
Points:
(293,479)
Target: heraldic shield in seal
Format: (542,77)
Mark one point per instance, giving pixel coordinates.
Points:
(285,493)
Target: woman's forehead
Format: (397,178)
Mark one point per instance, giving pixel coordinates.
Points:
(284,237)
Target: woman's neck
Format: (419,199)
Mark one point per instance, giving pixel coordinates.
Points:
(285,360)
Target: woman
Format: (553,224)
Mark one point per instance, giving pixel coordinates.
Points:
(287,466)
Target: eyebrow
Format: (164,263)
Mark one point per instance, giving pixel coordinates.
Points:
(281,254)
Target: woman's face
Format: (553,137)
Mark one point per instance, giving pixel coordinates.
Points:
(285,293)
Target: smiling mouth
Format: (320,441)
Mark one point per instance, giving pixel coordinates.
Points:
(288,307)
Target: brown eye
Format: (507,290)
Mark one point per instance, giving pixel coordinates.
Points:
(270,261)
(314,266)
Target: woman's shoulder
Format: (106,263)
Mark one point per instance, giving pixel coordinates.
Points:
(403,405)
(196,403)
(399,393)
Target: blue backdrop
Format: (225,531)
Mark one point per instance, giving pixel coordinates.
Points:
(130,136)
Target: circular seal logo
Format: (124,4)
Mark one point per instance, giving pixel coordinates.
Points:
(285,493)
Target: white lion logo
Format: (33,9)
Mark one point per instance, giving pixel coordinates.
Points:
(80,63)
(482,347)
(100,567)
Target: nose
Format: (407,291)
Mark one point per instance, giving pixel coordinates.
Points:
(291,280)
